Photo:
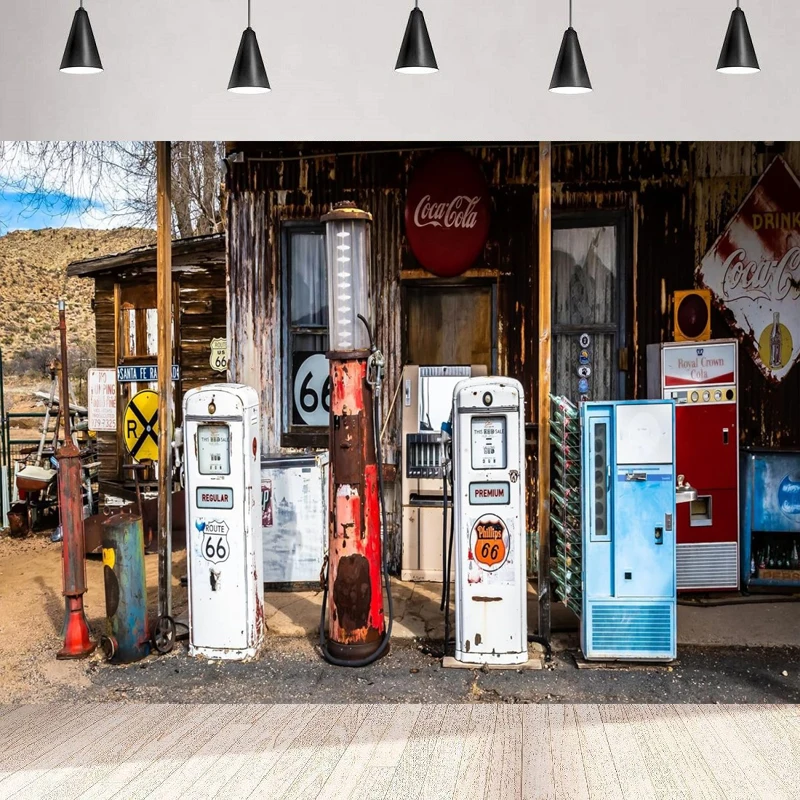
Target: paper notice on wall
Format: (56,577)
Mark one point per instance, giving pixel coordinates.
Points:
(102,399)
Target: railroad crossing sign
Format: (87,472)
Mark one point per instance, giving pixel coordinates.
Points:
(141,426)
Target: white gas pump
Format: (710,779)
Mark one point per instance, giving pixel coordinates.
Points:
(223,521)
(489,521)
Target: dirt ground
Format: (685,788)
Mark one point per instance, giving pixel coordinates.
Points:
(32,614)
(289,668)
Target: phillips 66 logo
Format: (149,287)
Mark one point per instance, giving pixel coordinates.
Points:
(214,544)
(489,542)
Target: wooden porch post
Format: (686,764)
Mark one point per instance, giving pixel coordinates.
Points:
(164,303)
(545,346)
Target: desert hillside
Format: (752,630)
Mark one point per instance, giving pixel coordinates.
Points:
(33,268)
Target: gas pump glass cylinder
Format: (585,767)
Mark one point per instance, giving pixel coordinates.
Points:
(347,253)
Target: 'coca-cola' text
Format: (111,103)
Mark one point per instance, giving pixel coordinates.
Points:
(460,212)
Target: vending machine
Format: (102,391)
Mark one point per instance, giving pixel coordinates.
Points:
(427,402)
(488,423)
(223,521)
(701,378)
(628,530)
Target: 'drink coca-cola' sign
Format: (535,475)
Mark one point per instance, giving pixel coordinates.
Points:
(753,271)
(447,213)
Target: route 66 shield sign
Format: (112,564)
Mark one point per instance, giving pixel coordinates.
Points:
(489,542)
(219,355)
(214,544)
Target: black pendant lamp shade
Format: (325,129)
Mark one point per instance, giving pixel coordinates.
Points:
(80,54)
(570,75)
(416,53)
(249,75)
(738,56)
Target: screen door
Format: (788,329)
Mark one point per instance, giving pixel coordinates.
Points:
(588,306)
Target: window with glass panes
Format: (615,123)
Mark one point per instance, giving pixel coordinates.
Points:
(305,313)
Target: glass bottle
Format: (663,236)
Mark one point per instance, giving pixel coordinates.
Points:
(775,341)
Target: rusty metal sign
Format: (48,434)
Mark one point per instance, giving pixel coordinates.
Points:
(753,271)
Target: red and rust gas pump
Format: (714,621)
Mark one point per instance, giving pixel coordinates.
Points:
(355,570)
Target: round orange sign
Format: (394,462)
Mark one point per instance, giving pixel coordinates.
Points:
(489,542)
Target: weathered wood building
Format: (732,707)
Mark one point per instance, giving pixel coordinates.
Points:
(646,212)
(126,325)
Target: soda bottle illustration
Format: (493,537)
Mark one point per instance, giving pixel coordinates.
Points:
(775,360)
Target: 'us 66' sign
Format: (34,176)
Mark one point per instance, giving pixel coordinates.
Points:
(214,544)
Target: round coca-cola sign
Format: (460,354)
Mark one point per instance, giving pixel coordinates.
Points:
(447,213)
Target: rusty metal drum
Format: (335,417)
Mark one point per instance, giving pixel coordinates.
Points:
(127,637)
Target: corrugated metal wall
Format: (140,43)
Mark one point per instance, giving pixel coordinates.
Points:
(679,197)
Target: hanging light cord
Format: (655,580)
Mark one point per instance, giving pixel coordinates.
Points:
(570,13)
(248,13)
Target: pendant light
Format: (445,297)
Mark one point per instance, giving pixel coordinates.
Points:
(80,54)
(416,52)
(738,56)
(249,75)
(570,75)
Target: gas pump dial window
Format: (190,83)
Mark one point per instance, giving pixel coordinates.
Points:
(488,443)
(213,450)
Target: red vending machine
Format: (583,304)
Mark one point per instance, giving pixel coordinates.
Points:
(701,377)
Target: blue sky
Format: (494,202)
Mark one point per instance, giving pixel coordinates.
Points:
(32,211)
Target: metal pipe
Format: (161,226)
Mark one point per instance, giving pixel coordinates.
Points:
(77,642)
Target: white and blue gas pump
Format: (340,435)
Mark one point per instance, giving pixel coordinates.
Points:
(628,530)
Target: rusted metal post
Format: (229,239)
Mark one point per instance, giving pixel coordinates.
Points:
(355,596)
(545,346)
(77,643)
(164,310)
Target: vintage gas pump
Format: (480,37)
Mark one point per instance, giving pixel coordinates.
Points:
(488,469)
(223,521)
(356,561)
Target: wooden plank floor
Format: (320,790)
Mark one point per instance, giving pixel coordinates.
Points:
(542,752)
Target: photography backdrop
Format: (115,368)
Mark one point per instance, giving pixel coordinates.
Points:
(331,67)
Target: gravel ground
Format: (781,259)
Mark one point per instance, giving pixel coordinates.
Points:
(289,671)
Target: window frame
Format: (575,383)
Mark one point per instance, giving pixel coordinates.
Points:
(295,436)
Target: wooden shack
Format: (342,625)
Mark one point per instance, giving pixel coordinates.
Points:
(126,326)
(648,211)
